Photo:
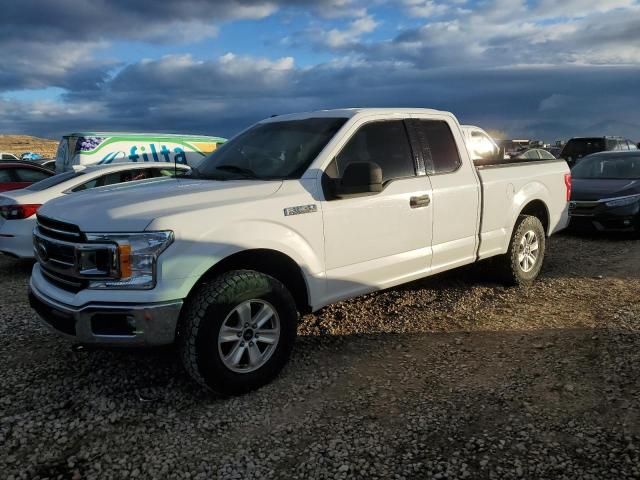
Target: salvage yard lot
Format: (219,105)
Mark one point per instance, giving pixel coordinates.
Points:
(450,377)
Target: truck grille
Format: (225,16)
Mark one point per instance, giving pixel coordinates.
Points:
(59,230)
(62,251)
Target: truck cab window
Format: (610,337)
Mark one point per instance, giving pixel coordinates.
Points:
(385,143)
(439,149)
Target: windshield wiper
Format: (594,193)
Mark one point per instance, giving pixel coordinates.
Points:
(246,172)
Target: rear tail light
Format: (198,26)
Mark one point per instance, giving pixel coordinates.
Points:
(18,212)
(567,184)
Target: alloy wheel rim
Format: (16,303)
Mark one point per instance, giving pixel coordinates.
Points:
(528,251)
(249,335)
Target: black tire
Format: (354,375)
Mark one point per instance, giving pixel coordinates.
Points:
(204,316)
(508,265)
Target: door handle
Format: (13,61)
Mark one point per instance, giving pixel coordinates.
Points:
(420,202)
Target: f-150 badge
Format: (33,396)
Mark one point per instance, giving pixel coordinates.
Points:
(299,210)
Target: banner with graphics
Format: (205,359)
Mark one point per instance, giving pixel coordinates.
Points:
(105,148)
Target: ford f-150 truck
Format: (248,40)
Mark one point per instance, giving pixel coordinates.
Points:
(294,213)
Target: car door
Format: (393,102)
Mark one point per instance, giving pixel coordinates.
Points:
(381,239)
(455,192)
(7,180)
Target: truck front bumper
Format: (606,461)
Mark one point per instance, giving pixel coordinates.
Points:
(109,324)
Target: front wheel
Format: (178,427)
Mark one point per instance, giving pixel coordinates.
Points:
(238,331)
(523,261)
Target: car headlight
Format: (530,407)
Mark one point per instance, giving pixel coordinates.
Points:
(622,201)
(135,261)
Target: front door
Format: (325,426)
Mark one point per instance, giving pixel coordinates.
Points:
(378,240)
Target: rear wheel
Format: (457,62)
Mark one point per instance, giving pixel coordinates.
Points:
(238,331)
(523,261)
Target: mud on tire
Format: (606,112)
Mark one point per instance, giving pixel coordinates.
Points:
(226,329)
(524,258)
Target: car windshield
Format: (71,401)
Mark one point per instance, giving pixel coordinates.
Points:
(52,181)
(269,151)
(610,167)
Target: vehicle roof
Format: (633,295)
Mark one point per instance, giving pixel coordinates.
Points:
(22,163)
(352,112)
(617,137)
(615,153)
(140,134)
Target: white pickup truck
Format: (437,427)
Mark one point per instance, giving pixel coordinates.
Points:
(294,213)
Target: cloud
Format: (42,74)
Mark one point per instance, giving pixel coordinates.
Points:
(548,69)
(180,93)
(58,45)
(336,38)
(426,8)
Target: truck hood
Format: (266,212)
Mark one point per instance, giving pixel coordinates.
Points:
(131,208)
(597,189)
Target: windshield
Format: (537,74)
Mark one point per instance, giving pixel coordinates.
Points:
(52,181)
(273,150)
(612,167)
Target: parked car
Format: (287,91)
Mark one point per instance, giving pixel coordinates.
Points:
(606,192)
(31,156)
(8,156)
(17,174)
(101,148)
(18,208)
(49,163)
(580,147)
(296,212)
(482,148)
(533,154)
(555,151)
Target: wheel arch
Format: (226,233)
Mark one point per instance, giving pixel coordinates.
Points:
(537,208)
(270,262)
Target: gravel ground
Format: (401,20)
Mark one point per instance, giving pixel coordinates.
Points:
(450,377)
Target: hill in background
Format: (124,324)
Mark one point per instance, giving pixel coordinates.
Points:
(18,144)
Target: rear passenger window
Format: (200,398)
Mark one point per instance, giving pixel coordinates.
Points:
(30,175)
(385,143)
(5,175)
(439,149)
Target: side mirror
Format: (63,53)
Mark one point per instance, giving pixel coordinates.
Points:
(359,178)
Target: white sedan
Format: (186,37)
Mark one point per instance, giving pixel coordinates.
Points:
(18,207)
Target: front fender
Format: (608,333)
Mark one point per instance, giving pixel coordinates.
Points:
(191,258)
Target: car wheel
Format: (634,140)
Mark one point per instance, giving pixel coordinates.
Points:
(523,261)
(238,331)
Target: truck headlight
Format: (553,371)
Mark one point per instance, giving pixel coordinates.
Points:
(136,258)
(623,201)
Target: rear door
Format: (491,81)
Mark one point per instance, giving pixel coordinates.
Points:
(456,192)
(377,240)
(26,176)
(8,180)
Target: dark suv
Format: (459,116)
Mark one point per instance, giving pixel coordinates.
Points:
(579,147)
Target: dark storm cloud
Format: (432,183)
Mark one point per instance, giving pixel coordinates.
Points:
(48,43)
(221,97)
(502,64)
(161,20)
